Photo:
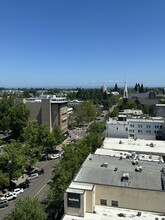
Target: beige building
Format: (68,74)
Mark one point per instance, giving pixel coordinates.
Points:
(110,181)
(49,110)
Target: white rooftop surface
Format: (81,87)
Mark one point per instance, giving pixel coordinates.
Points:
(136,119)
(79,191)
(124,154)
(84,186)
(110,213)
(132,145)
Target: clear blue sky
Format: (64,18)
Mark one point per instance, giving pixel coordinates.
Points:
(82,42)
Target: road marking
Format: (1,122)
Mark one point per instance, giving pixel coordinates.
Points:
(40,190)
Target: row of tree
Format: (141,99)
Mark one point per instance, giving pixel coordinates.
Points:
(74,156)
(20,155)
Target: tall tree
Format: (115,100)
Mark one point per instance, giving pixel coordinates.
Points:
(85,112)
(4,115)
(19,116)
(29,209)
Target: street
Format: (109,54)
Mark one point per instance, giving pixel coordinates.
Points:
(38,187)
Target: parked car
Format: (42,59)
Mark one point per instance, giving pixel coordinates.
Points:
(39,171)
(18,190)
(54,156)
(24,185)
(10,196)
(2,197)
(33,176)
(3,203)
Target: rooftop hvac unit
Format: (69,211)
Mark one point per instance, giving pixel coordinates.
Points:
(125,177)
(138,168)
(104,164)
(151,145)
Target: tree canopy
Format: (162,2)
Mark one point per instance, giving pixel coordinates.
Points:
(29,209)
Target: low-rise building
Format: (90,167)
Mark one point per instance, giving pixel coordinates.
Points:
(136,127)
(110,181)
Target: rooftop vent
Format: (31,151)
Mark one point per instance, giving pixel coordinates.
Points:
(151,145)
(104,164)
(138,168)
(125,177)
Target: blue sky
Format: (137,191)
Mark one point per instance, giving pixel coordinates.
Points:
(53,43)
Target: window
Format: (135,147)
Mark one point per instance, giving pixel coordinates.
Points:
(126,129)
(114,203)
(117,128)
(148,126)
(103,202)
(139,126)
(139,131)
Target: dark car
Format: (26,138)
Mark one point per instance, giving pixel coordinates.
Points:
(24,185)
(3,203)
(39,171)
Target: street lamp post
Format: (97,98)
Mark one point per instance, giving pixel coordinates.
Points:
(10,172)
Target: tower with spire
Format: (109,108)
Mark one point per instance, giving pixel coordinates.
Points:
(125,93)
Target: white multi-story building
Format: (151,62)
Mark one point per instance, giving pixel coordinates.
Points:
(141,128)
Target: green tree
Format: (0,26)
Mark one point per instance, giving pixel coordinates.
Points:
(85,112)
(57,133)
(4,115)
(13,160)
(96,127)
(31,134)
(18,119)
(116,88)
(28,209)
(4,180)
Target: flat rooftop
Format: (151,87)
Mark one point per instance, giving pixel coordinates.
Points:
(135,119)
(125,154)
(94,172)
(111,213)
(131,145)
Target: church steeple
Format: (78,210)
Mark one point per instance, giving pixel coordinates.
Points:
(125,93)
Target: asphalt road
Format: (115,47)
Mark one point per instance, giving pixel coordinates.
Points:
(38,187)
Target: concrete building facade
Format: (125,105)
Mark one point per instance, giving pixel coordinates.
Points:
(49,111)
(159,110)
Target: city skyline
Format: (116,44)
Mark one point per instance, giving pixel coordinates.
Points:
(82,43)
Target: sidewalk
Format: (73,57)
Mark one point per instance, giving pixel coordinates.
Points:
(20,179)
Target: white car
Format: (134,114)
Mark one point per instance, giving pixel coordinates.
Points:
(33,176)
(54,156)
(2,197)
(18,191)
(11,196)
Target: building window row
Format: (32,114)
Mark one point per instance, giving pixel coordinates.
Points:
(113,202)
